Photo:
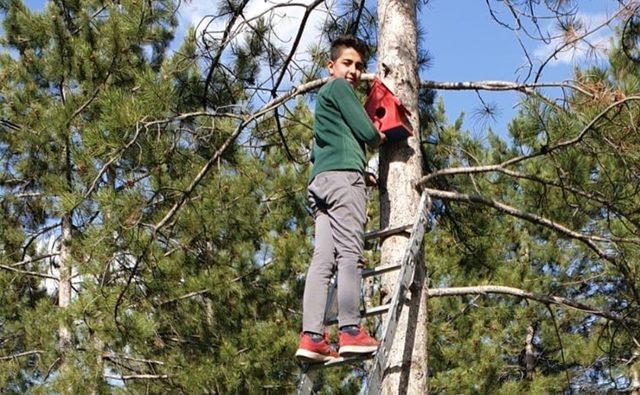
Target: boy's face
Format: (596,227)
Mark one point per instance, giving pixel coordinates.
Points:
(349,66)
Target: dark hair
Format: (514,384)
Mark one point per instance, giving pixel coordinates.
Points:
(347,41)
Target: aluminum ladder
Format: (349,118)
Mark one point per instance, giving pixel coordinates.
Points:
(393,309)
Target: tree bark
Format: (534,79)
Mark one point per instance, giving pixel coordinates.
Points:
(529,357)
(400,167)
(635,375)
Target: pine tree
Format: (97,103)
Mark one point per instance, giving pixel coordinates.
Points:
(154,233)
(504,344)
(172,285)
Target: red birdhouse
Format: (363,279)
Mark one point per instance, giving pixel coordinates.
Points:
(387,113)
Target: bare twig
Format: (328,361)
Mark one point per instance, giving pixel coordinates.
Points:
(576,39)
(222,45)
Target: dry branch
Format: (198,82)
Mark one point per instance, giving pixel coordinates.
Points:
(545,299)
(22,354)
(501,86)
(577,38)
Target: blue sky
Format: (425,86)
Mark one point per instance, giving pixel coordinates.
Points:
(468,45)
(465,44)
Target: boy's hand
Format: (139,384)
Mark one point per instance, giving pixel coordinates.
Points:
(370,179)
(383,138)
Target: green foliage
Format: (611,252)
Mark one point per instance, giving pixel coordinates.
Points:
(210,301)
(478,343)
(95,128)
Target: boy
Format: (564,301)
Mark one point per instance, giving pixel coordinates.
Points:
(337,196)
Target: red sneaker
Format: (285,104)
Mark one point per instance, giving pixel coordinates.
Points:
(310,351)
(352,345)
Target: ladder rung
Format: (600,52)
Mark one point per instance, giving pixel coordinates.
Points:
(363,313)
(379,270)
(382,233)
(338,362)
(345,361)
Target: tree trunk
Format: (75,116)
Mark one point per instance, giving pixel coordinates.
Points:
(635,374)
(529,357)
(65,266)
(64,297)
(64,285)
(400,167)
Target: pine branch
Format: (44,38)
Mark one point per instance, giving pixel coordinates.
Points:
(214,158)
(578,38)
(536,219)
(28,273)
(10,125)
(31,260)
(112,356)
(22,354)
(106,166)
(589,240)
(595,196)
(545,299)
(303,88)
(34,236)
(186,296)
(490,85)
(137,377)
(195,114)
(216,57)
(518,159)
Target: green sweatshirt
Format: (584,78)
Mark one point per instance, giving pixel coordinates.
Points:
(341,128)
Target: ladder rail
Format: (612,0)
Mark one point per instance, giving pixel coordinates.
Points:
(374,379)
(306,384)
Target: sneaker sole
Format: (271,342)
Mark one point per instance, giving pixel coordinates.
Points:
(311,357)
(350,351)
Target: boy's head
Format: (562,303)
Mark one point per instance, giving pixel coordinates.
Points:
(347,58)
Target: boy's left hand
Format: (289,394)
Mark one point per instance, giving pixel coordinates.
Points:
(370,179)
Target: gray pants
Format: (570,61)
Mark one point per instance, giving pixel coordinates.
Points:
(338,200)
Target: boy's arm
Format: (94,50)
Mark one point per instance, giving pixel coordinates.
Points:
(344,98)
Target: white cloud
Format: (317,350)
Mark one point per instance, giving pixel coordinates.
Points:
(595,44)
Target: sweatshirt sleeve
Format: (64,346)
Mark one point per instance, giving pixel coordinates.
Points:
(344,98)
